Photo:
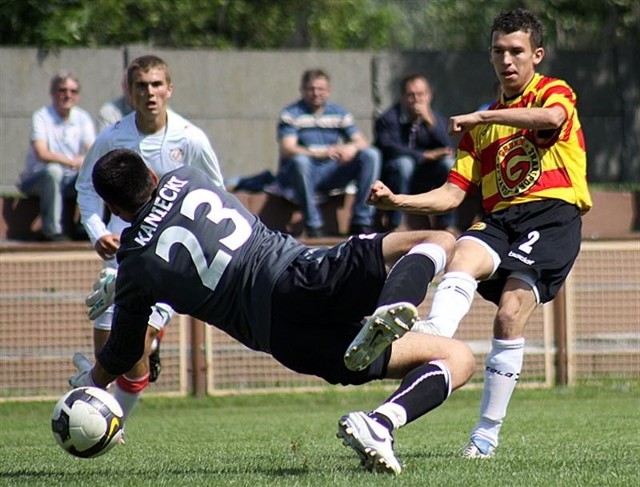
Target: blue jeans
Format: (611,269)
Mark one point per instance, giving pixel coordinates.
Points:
(52,184)
(307,176)
(404,176)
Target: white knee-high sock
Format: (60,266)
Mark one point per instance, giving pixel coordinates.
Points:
(502,370)
(127,400)
(128,391)
(451,302)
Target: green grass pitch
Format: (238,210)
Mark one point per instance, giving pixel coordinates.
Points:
(583,436)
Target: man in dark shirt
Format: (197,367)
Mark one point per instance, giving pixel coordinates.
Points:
(416,148)
(193,246)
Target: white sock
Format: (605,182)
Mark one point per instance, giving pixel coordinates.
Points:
(451,302)
(502,370)
(434,252)
(395,412)
(127,400)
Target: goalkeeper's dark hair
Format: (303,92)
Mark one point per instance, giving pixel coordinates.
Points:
(520,19)
(122,178)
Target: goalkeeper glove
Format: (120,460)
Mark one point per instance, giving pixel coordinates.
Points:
(103,293)
(83,377)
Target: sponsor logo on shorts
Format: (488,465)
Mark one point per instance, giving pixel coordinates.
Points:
(521,258)
(518,167)
(479,226)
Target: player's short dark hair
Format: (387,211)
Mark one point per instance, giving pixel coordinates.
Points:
(122,178)
(144,64)
(410,78)
(312,74)
(520,19)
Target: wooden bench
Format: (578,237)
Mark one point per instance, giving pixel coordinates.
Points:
(21,218)
(615,215)
(280,214)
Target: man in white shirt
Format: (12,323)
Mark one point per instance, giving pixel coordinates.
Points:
(166,141)
(61,134)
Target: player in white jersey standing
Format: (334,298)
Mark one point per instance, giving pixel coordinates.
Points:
(166,141)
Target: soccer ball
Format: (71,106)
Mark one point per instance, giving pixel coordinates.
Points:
(87,422)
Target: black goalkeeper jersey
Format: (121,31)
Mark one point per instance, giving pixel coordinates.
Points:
(196,248)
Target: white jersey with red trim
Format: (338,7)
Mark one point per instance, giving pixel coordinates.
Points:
(178,143)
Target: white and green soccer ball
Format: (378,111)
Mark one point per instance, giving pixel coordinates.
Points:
(87,422)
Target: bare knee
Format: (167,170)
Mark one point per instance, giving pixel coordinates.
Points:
(415,349)
(517,303)
(511,318)
(444,239)
(461,363)
(397,244)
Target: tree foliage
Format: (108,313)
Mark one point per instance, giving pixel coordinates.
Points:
(307,24)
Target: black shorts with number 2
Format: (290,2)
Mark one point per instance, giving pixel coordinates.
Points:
(541,237)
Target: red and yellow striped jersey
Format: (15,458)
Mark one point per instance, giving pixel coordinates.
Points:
(513,165)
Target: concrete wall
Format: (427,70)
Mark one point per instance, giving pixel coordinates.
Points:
(235,96)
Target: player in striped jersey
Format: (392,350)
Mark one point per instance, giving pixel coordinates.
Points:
(526,153)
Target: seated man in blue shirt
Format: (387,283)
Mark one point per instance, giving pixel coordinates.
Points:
(321,149)
(416,147)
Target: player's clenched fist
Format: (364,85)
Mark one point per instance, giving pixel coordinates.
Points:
(381,196)
(462,123)
(107,246)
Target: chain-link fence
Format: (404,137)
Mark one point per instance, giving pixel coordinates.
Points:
(43,322)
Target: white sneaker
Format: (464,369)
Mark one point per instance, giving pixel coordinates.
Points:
(372,442)
(387,324)
(424,326)
(479,448)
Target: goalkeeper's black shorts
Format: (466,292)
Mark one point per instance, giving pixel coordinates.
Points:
(318,306)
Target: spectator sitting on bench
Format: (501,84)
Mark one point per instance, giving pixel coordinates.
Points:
(416,148)
(321,149)
(61,135)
